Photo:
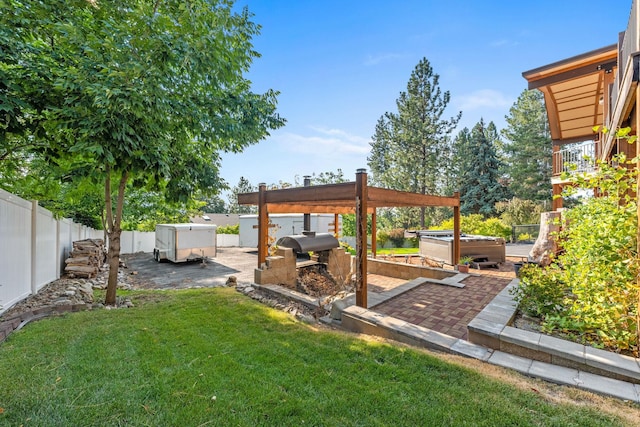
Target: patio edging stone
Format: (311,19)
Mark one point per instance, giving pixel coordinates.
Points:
(492,327)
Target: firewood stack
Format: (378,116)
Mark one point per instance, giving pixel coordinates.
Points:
(85,259)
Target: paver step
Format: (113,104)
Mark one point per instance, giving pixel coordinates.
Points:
(484,264)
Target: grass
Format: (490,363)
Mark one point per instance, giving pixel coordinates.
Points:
(213,357)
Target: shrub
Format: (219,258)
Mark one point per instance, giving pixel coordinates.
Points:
(476,224)
(397,237)
(493,227)
(382,237)
(540,292)
(517,211)
(228,229)
(524,237)
(599,266)
(347,248)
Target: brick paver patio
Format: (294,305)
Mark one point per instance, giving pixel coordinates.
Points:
(444,309)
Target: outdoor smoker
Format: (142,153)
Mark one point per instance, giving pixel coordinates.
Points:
(318,243)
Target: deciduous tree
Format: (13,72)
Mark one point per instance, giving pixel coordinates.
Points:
(137,91)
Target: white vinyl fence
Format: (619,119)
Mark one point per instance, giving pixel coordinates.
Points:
(34,246)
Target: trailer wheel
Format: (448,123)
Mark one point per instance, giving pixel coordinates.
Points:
(156,255)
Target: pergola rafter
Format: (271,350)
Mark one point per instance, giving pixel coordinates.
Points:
(344,198)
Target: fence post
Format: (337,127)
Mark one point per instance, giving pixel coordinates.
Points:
(34,245)
(58,256)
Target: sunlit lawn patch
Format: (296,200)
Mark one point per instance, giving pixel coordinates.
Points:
(215,357)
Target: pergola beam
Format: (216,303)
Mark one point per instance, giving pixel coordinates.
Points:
(386,198)
(314,209)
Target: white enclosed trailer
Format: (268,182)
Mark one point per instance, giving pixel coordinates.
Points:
(286,225)
(184,242)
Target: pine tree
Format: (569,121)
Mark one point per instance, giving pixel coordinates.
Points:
(481,181)
(409,147)
(460,159)
(528,148)
(244,186)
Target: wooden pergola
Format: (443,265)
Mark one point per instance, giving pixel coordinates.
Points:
(344,198)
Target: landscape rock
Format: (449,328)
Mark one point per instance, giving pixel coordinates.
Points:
(68,291)
(306,318)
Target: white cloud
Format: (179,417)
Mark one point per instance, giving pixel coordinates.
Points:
(325,142)
(383,57)
(484,98)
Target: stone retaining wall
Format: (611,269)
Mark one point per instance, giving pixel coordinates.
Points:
(406,271)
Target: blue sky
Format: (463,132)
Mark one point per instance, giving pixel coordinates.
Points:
(340,65)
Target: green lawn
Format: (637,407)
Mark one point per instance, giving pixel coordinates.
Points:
(213,357)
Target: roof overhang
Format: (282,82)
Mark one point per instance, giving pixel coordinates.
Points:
(574,91)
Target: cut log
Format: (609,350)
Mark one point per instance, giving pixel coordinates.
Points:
(546,247)
(81,269)
(77,253)
(80,260)
(86,258)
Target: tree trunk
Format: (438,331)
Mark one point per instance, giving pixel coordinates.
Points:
(114,231)
(114,264)
(546,246)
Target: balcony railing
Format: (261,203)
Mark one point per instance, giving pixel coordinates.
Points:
(575,158)
(628,46)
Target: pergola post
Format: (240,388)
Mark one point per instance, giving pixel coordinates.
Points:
(306,221)
(361,238)
(263,225)
(374,243)
(336,225)
(556,203)
(456,229)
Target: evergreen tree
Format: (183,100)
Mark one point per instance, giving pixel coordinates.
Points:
(409,147)
(244,186)
(214,204)
(481,187)
(460,159)
(528,148)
